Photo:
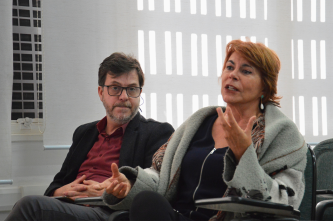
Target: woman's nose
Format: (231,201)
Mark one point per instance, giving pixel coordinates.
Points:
(234,74)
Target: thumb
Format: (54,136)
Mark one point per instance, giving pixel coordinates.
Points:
(115,171)
(250,125)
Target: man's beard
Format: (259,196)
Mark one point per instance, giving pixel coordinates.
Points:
(122,119)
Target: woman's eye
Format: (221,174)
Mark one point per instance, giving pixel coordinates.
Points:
(229,67)
(246,72)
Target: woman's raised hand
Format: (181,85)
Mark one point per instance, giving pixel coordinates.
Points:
(120,185)
(117,185)
(238,139)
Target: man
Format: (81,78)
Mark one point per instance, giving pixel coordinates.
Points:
(123,137)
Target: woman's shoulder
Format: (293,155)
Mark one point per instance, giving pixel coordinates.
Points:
(274,116)
(198,116)
(280,131)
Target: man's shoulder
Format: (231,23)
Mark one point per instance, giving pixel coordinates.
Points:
(87,126)
(145,125)
(150,121)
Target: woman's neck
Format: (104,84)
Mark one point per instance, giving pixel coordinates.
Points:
(242,114)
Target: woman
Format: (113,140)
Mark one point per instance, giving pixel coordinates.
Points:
(250,148)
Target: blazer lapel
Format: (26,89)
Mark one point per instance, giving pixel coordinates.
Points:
(84,146)
(127,150)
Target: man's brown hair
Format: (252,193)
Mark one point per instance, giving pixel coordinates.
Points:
(119,64)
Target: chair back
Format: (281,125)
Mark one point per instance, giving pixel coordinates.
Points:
(307,207)
(324,155)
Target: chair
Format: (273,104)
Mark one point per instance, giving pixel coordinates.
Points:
(308,205)
(261,210)
(324,155)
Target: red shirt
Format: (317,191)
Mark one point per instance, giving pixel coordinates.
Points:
(105,151)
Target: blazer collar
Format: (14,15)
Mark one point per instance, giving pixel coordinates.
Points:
(127,150)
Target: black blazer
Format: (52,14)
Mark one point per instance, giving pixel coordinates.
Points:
(141,140)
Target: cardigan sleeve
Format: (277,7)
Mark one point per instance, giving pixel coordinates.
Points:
(145,179)
(275,172)
(283,185)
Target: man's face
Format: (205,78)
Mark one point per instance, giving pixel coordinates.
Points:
(120,108)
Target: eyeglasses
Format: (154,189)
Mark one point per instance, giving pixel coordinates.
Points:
(114,90)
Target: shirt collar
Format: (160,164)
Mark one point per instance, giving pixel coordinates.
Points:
(102,124)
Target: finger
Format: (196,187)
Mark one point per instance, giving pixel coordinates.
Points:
(122,192)
(80,179)
(117,189)
(98,186)
(223,120)
(127,188)
(89,182)
(219,112)
(104,184)
(111,187)
(127,191)
(114,169)
(249,126)
(231,119)
(77,184)
(80,188)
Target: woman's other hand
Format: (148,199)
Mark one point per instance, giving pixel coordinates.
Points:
(238,139)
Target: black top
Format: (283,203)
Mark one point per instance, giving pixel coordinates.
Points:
(141,140)
(201,173)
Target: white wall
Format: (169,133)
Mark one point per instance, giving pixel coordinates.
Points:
(33,168)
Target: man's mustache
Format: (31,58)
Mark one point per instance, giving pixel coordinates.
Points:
(128,105)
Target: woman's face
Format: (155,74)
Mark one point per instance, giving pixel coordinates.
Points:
(241,82)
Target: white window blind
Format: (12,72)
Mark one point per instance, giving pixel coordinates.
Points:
(181,47)
(78,36)
(6,82)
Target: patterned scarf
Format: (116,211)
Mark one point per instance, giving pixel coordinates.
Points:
(258,135)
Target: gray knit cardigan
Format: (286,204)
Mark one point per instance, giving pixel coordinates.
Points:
(283,154)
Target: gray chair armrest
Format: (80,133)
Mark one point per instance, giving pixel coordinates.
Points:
(254,208)
(321,207)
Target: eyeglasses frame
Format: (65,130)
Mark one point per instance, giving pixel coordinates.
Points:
(122,88)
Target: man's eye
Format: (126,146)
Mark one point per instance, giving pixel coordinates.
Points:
(132,88)
(115,88)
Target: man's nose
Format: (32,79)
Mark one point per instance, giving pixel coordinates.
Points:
(123,95)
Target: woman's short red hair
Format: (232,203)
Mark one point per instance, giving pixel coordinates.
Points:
(262,58)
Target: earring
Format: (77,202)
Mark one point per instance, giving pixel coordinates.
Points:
(141,103)
(262,107)
(141,99)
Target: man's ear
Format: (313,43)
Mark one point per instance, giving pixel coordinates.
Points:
(100,92)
